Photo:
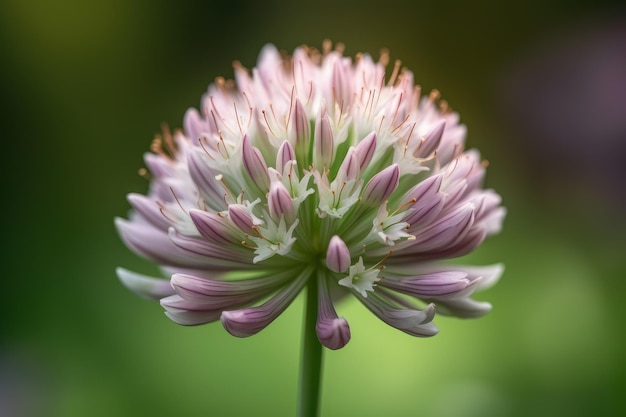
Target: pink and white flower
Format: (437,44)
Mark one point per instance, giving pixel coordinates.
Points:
(314,167)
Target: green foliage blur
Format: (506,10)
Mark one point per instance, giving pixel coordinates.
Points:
(86,85)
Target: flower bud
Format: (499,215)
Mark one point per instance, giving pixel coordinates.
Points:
(280,203)
(300,132)
(255,165)
(381,185)
(242,219)
(284,155)
(365,150)
(337,255)
(430,141)
(323,143)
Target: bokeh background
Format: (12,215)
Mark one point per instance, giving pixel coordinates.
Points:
(84,87)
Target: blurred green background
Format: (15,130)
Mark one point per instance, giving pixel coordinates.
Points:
(85,86)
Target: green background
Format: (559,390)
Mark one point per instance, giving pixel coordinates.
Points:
(86,85)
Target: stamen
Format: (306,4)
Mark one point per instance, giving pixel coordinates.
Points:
(247,246)
(394,74)
(178,201)
(327,46)
(395,114)
(434,96)
(381,261)
(168,140)
(225,154)
(203,148)
(409,138)
(156,146)
(250,109)
(403,206)
(229,194)
(237,117)
(144,173)
(340,114)
(162,210)
(267,123)
(382,119)
(384,57)
(220,82)
(291,104)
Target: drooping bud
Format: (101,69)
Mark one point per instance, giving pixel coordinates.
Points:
(248,321)
(323,143)
(332,331)
(381,185)
(255,165)
(280,203)
(337,255)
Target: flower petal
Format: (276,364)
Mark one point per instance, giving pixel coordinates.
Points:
(249,321)
(145,286)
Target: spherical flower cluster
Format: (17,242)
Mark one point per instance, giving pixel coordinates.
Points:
(314,168)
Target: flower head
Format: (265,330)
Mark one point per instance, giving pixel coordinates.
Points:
(314,167)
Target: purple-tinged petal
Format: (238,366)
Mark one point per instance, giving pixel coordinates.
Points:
(427,201)
(249,321)
(381,186)
(431,140)
(284,155)
(149,210)
(300,132)
(446,231)
(255,165)
(204,290)
(323,143)
(203,176)
(186,313)
(145,286)
(340,83)
(437,284)
(365,150)
(213,227)
(465,308)
(200,296)
(210,255)
(349,169)
(152,243)
(240,217)
(159,166)
(332,331)
(280,204)
(338,257)
(412,321)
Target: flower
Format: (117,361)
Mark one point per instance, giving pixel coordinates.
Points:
(314,167)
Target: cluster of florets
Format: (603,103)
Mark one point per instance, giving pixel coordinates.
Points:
(314,167)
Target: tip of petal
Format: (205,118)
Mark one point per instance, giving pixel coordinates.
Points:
(144,286)
(333,333)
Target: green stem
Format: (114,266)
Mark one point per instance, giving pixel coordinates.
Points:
(311,365)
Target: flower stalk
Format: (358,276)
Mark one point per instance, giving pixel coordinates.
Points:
(311,359)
